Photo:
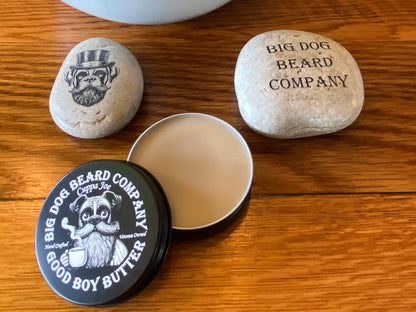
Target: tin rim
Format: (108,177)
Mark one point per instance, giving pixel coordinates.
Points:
(246,193)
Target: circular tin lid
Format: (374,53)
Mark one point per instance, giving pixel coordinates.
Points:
(103,232)
(203,164)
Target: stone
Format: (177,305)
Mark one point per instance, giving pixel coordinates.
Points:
(98,89)
(293,84)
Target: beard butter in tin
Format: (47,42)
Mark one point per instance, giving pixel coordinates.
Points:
(203,164)
(103,232)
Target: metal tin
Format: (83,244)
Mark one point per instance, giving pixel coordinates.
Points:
(103,232)
(104,229)
(203,164)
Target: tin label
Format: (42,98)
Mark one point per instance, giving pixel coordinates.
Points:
(93,232)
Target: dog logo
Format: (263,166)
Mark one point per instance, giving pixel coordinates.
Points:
(101,231)
(91,77)
(95,242)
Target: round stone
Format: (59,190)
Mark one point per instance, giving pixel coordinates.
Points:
(98,89)
(292,84)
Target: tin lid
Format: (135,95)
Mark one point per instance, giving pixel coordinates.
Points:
(103,232)
(203,164)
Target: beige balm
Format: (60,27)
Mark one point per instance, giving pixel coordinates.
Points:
(203,164)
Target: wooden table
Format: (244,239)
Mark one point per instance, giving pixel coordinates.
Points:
(331,225)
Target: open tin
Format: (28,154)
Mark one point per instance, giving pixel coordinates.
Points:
(203,164)
(105,228)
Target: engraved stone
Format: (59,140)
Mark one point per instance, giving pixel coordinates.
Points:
(292,84)
(98,89)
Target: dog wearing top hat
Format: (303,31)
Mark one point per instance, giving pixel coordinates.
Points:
(91,77)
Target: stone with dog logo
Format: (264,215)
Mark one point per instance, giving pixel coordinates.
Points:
(98,89)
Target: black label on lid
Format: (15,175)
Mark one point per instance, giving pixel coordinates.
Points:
(98,232)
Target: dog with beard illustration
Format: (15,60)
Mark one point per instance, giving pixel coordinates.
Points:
(96,231)
(91,77)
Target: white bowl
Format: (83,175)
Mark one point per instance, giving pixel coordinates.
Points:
(146,11)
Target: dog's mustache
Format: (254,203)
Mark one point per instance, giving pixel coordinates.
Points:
(89,95)
(101,87)
(102,227)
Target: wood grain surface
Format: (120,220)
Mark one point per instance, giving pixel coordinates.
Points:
(331,225)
